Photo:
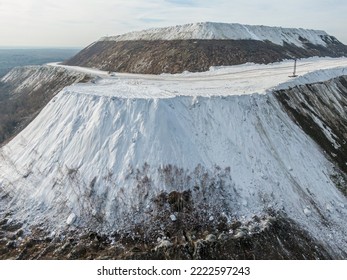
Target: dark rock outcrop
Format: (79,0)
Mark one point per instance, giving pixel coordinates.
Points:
(175,56)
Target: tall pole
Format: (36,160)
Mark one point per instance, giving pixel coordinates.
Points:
(294,73)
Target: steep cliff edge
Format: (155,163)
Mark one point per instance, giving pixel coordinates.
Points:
(321,111)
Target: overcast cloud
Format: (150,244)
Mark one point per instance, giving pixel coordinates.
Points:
(80,22)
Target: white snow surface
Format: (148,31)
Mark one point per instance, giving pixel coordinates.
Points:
(242,79)
(226,31)
(78,157)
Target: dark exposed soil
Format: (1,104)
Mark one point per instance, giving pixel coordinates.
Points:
(155,57)
(280,240)
(270,236)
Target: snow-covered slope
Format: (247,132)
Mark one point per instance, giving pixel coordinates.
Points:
(26,79)
(98,155)
(24,91)
(228,31)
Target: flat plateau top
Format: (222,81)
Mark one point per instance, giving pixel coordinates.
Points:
(219,81)
(227,31)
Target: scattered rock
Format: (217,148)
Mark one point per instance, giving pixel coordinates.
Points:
(179,245)
(163,244)
(307,212)
(240,233)
(71,219)
(173,217)
(211,238)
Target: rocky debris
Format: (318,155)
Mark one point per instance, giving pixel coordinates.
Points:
(211,238)
(191,236)
(307,212)
(173,217)
(71,219)
(163,244)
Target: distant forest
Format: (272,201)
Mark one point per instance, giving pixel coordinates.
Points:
(10,58)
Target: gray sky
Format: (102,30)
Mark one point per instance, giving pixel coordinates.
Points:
(65,23)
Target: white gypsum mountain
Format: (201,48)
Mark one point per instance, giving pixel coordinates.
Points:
(198,46)
(99,153)
(227,31)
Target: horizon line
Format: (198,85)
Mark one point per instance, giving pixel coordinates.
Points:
(39,47)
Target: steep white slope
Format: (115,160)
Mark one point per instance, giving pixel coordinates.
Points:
(95,157)
(25,79)
(227,31)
